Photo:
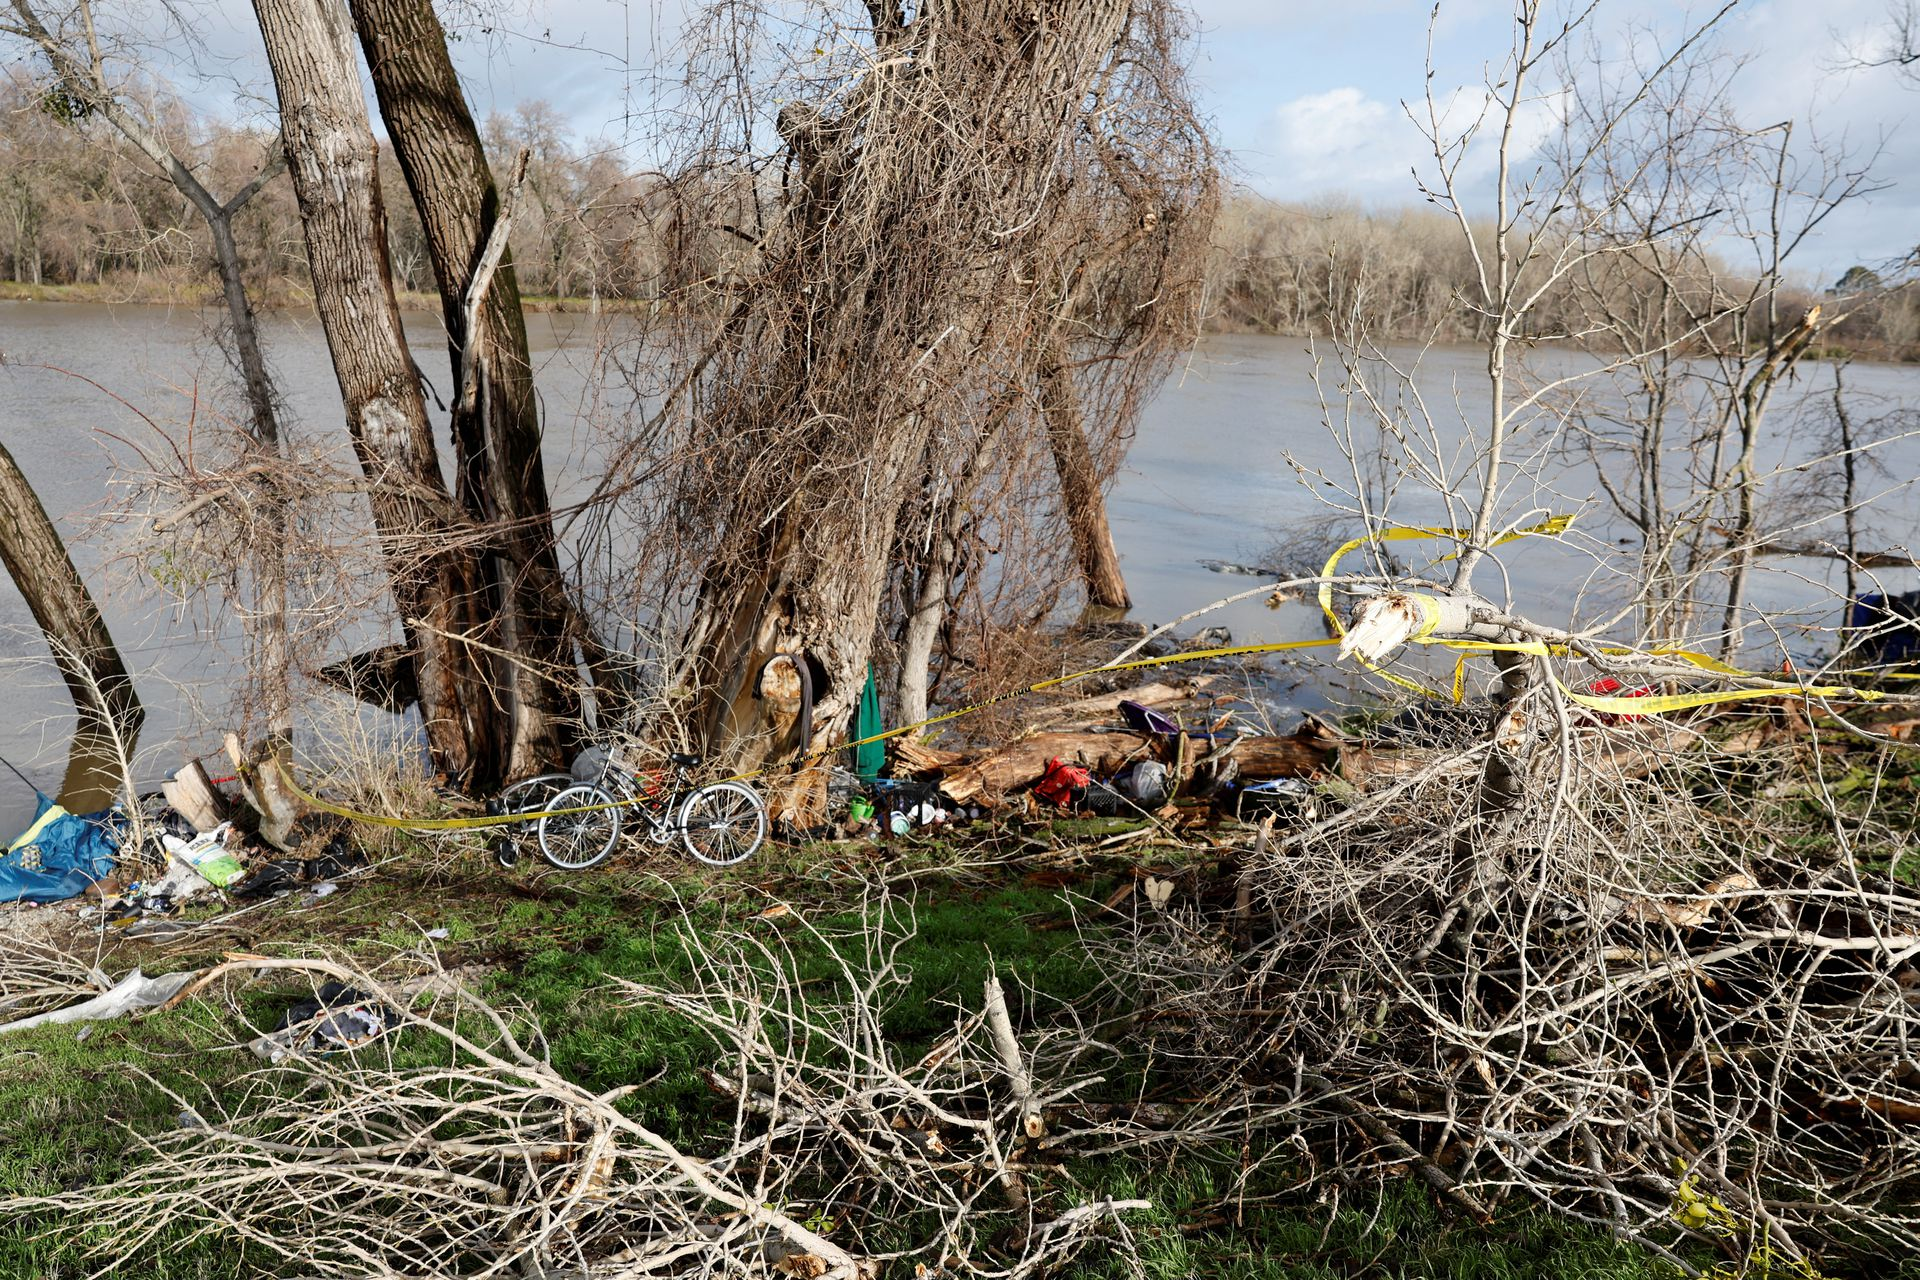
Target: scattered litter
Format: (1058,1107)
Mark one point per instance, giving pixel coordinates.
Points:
(278,876)
(1148,783)
(1147,722)
(326,890)
(340,858)
(337,1018)
(182,883)
(132,993)
(438,933)
(153,929)
(1105,801)
(210,853)
(1063,785)
(1287,799)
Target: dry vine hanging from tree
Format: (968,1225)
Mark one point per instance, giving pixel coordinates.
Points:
(957,219)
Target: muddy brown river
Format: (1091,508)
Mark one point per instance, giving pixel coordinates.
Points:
(1222,471)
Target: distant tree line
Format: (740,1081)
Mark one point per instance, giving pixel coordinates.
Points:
(78,205)
(1403,274)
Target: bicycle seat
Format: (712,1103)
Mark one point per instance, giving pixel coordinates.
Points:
(682,759)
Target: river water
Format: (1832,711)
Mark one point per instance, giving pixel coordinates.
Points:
(1222,470)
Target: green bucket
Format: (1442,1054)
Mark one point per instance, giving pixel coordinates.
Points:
(859,809)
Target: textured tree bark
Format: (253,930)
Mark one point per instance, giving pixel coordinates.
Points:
(331,155)
(972,135)
(1080,492)
(500,482)
(108,708)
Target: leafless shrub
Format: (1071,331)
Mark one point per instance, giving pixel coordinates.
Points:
(1637,993)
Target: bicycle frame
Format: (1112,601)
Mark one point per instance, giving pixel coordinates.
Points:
(657,804)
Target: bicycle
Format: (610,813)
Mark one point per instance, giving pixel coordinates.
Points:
(720,824)
(529,795)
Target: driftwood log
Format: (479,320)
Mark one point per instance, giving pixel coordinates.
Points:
(989,777)
(1107,705)
(276,809)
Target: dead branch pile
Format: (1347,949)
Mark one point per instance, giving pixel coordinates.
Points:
(1626,997)
(452,1147)
(39,974)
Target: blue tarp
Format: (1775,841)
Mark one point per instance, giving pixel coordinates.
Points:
(1891,624)
(59,855)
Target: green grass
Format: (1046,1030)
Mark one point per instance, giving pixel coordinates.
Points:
(69,1098)
(557,944)
(1394,1230)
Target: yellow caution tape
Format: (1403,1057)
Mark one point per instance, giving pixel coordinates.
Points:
(1430,615)
(1649,704)
(1429,607)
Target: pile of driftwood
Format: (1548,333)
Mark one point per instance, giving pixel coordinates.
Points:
(1423,742)
(1090,732)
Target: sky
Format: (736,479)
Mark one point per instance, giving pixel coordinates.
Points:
(1305,94)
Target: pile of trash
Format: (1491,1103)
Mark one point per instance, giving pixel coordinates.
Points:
(189,840)
(224,860)
(1134,752)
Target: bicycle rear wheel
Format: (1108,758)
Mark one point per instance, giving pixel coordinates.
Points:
(723,824)
(576,841)
(529,795)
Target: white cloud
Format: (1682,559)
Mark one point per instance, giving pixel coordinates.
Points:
(1339,140)
(1343,141)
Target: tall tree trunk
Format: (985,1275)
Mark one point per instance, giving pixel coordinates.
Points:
(332,156)
(932,580)
(911,198)
(1080,492)
(501,484)
(108,709)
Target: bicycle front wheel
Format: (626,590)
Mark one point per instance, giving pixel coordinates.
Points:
(576,841)
(723,824)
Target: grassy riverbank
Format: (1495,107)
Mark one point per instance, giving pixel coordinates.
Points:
(77,1101)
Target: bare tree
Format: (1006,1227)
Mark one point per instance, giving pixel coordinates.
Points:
(79,57)
(1696,318)
(331,155)
(501,484)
